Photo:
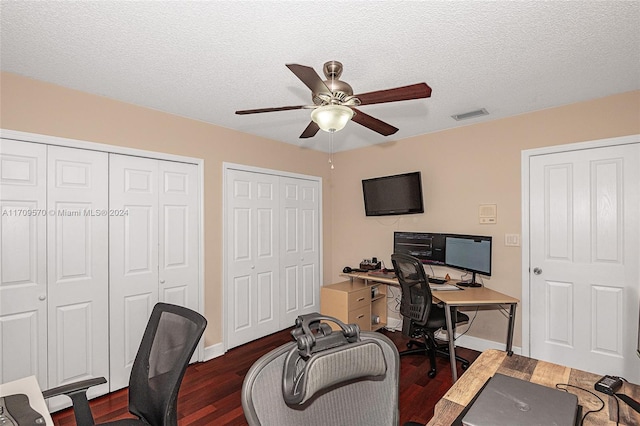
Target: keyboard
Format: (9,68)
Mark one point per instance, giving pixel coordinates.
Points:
(433,280)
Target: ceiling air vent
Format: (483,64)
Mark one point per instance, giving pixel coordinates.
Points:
(470,114)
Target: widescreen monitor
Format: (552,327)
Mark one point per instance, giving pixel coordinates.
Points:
(471,253)
(425,246)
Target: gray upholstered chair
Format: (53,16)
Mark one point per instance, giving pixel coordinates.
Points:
(325,377)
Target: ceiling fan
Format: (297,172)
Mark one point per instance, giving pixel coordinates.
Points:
(334,102)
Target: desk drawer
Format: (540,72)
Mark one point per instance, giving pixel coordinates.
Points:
(359,299)
(362,317)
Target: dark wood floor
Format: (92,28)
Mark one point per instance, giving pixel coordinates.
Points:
(210,392)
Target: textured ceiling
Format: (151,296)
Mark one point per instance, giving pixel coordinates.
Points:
(206,59)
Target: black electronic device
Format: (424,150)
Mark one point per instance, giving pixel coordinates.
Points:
(370,265)
(393,195)
(15,410)
(608,384)
(471,253)
(428,247)
(433,280)
(347,269)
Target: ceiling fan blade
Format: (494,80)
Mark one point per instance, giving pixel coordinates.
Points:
(405,93)
(285,108)
(309,77)
(373,123)
(310,131)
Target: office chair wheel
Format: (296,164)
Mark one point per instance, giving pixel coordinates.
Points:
(432,374)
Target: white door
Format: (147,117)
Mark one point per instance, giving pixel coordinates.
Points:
(252,281)
(299,242)
(23,261)
(133,200)
(178,234)
(584,257)
(77,267)
(154,249)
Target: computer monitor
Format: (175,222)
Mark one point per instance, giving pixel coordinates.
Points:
(471,253)
(425,246)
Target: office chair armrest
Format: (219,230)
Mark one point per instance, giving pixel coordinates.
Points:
(78,393)
(80,386)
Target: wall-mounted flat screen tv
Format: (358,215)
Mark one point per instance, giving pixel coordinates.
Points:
(392,195)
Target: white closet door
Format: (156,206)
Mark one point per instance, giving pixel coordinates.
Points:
(252,282)
(178,234)
(23,279)
(133,236)
(78,280)
(299,245)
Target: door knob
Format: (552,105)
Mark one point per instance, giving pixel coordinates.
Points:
(537,271)
(161,281)
(42,297)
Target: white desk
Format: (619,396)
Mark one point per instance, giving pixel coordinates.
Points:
(469,296)
(29,386)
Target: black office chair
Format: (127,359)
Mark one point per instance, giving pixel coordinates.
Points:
(169,340)
(422,317)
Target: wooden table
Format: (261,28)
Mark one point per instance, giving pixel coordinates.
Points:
(467,296)
(544,373)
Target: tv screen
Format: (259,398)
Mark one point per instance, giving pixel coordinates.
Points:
(392,195)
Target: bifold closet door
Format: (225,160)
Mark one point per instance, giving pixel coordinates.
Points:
(133,247)
(253,251)
(300,248)
(178,234)
(77,267)
(23,261)
(154,249)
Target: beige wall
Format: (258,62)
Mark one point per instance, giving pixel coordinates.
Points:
(461,168)
(32,106)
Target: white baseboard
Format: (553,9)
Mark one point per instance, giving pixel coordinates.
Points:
(395,324)
(478,344)
(213,351)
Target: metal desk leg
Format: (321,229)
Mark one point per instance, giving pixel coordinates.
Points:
(512,321)
(451,332)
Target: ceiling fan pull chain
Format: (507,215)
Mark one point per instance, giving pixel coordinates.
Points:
(331,154)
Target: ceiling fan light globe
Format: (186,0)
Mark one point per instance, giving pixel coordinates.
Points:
(331,118)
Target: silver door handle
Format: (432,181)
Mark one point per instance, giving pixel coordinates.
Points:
(537,271)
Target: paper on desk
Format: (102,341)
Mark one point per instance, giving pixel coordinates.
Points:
(443,287)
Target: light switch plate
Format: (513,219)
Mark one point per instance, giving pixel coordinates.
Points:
(512,240)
